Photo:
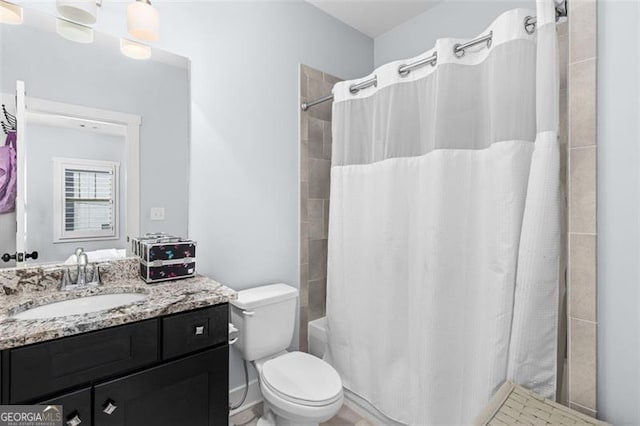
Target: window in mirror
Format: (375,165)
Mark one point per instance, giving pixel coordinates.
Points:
(85,199)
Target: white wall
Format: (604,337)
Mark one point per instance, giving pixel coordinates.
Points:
(618,106)
(244,191)
(244,148)
(450,18)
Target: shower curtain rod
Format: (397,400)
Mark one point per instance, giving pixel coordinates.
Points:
(458,50)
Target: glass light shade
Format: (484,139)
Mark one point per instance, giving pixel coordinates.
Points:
(74,32)
(143,21)
(134,50)
(81,11)
(10,13)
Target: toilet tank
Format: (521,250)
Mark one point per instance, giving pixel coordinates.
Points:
(265,317)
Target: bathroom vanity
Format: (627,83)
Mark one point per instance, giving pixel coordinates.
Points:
(159,361)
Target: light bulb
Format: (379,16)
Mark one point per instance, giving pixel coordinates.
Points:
(143,21)
(81,11)
(134,50)
(10,13)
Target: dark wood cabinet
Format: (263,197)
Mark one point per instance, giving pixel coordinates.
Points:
(187,392)
(189,331)
(76,406)
(44,368)
(171,370)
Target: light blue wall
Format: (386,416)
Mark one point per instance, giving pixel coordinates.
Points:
(244,162)
(244,146)
(618,211)
(450,18)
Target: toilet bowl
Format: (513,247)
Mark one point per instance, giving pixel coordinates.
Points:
(297,388)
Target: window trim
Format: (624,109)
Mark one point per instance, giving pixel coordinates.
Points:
(60,165)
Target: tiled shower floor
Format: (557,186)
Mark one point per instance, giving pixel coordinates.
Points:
(345,417)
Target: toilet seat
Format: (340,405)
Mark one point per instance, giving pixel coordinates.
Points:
(303,379)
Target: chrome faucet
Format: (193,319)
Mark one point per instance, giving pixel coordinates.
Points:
(82,269)
(82,260)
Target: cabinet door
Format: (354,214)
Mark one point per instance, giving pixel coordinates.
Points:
(193,391)
(52,367)
(76,406)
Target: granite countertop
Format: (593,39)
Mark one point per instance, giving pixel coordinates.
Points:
(161,299)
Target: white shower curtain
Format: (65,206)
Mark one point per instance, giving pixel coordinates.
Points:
(444,226)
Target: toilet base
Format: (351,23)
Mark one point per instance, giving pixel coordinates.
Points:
(282,422)
(284,413)
(269,418)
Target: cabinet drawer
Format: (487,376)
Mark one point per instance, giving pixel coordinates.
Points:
(189,331)
(75,405)
(47,368)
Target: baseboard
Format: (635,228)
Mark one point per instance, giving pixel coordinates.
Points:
(253,396)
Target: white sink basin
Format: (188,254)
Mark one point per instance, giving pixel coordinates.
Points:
(82,305)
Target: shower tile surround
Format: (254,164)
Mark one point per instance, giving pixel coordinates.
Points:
(582,231)
(563,137)
(315,165)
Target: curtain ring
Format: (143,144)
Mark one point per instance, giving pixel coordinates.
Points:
(529,27)
(457,50)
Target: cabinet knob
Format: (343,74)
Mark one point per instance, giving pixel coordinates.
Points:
(109,407)
(199,330)
(74,421)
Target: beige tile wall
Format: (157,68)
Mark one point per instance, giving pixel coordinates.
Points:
(581,176)
(315,163)
(563,135)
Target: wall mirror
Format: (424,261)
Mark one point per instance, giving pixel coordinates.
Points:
(102,143)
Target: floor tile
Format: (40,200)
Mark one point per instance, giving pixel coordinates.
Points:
(345,417)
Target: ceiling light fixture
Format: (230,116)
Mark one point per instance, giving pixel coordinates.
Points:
(80,11)
(74,32)
(134,50)
(143,20)
(10,13)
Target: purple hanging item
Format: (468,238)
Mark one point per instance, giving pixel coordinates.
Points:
(8,174)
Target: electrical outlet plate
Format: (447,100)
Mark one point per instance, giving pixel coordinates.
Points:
(157,213)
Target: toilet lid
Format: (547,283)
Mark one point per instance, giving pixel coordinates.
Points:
(302,378)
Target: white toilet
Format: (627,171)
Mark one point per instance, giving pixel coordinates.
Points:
(298,388)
